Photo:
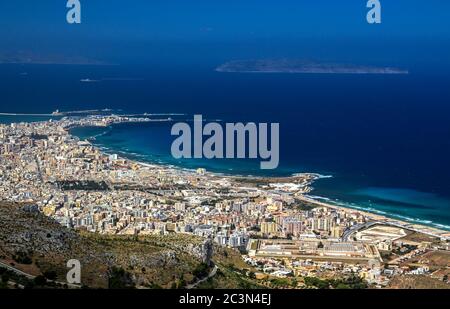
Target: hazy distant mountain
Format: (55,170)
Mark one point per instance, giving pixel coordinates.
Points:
(302,66)
(24,57)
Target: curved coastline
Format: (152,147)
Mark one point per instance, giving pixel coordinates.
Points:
(426,226)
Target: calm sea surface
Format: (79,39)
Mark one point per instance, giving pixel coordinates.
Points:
(384,139)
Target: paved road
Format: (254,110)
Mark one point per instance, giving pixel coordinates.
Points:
(385,220)
(211,274)
(21,273)
(17,271)
(352,230)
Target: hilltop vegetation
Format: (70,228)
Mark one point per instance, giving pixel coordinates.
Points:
(37,245)
(416,282)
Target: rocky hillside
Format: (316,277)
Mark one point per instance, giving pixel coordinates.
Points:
(417,282)
(37,245)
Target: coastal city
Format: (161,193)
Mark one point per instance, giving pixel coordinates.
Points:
(274,223)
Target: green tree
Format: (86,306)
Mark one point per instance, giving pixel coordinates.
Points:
(40,281)
(201,270)
(22,257)
(120,279)
(50,275)
(6,277)
(252,275)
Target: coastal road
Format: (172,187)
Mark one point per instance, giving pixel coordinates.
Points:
(354,229)
(377,219)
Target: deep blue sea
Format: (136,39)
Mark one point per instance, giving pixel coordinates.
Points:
(383,138)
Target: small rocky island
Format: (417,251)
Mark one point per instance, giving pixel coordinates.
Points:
(302,66)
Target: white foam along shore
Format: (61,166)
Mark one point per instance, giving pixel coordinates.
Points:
(428,230)
(316,200)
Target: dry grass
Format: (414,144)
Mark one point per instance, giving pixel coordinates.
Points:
(417,282)
(151,260)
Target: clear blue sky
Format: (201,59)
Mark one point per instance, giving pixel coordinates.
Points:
(31,24)
(221,19)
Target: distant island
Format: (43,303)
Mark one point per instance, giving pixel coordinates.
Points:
(302,66)
(28,57)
